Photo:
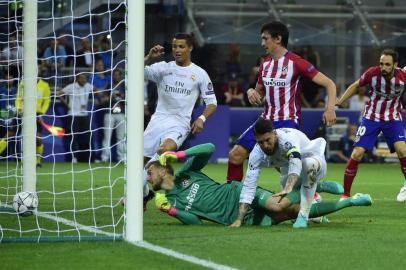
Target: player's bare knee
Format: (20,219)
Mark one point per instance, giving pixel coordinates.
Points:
(237,155)
(400,148)
(357,153)
(235,158)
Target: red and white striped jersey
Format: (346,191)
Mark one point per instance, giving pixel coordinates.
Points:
(281,80)
(385,95)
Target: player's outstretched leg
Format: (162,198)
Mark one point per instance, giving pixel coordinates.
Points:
(330,187)
(235,168)
(402,193)
(324,208)
(307,190)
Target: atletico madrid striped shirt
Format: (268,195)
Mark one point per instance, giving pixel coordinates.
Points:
(281,79)
(385,95)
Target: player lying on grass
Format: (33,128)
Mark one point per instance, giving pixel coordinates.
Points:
(192,196)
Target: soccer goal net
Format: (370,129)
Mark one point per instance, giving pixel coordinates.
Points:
(78,110)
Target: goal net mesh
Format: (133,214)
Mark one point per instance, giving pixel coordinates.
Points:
(81,123)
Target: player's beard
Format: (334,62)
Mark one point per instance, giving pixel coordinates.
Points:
(387,73)
(268,151)
(157,185)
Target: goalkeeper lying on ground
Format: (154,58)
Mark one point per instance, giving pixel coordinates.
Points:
(192,196)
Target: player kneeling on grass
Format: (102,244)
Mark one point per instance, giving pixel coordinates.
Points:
(191,196)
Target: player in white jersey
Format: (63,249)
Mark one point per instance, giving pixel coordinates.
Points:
(301,161)
(180,83)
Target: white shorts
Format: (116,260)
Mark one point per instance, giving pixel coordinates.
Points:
(320,174)
(161,128)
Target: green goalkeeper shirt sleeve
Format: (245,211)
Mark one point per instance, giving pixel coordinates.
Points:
(187,218)
(198,156)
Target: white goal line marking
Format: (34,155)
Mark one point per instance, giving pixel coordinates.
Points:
(181,256)
(142,244)
(75,224)
(70,223)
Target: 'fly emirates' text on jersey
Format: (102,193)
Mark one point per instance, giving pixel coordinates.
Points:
(385,95)
(179,88)
(281,80)
(288,139)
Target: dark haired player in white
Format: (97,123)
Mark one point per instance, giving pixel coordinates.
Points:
(180,83)
(191,196)
(301,162)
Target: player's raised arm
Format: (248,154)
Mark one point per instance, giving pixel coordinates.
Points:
(329,115)
(197,156)
(154,52)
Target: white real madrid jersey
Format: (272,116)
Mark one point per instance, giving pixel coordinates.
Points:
(288,138)
(179,88)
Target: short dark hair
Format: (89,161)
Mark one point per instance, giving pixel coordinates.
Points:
(262,126)
(190,39)
(392,53)
(156,163)
(276,29)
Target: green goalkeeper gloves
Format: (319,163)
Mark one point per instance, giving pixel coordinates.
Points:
(171,156)
(162,202)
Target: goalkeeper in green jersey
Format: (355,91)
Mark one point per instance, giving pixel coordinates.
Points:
(191,196)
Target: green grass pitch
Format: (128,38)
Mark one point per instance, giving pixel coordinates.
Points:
(356,238)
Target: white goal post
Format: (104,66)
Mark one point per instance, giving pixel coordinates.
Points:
(80,190)
(30,98)
(135,82)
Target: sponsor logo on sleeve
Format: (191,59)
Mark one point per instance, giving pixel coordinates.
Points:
(288,145)
(310,69)
(209,93)
(209,86)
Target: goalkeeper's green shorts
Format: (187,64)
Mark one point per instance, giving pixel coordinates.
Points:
(261,196)
(258,215)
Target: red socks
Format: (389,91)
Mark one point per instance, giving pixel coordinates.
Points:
(349,175)
(234,172)
(403,165)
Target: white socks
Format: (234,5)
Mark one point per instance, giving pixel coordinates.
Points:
(306,199)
